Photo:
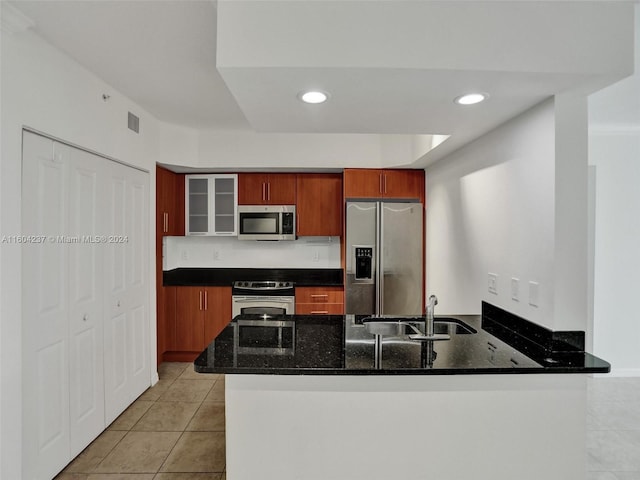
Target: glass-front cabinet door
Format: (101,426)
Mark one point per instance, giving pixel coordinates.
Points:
(211,204)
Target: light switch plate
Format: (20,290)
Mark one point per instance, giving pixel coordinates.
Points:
(534,293)
(515,289)
(493,283)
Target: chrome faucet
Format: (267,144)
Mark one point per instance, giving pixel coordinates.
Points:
(429,334)
(428,320)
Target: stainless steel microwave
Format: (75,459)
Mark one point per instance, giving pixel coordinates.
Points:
(266,222)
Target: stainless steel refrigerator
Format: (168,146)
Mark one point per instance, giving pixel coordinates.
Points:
(384,258)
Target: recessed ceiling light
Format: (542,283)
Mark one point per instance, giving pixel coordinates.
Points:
(470,98)
(313,96)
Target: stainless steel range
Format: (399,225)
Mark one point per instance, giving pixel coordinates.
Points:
(263,298)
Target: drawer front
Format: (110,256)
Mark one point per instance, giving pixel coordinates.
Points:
(319,309)
(319,295)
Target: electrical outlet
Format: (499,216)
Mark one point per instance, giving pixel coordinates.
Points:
(316,256)
(184,255)
(534,293)
(515,289)
(216,254)
(493,283)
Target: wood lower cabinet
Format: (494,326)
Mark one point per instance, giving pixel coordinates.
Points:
(319,300)
(201,313)
(190,311)
(217,312)
(383,183)
(319,204)
(266,189)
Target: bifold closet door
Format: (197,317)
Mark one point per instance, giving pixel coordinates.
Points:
(85,328)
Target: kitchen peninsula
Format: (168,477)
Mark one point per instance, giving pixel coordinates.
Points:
(324,397)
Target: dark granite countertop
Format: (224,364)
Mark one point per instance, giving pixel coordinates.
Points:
(221,277)
(342,345)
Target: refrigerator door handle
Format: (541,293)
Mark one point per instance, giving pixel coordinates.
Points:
(379,261)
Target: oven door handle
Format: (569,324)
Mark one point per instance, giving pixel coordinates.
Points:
(262,300)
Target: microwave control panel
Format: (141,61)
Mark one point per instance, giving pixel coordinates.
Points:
(288,227)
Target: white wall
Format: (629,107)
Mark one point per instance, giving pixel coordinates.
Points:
(490,208)
(45,90)
(616,333)
(514,203)
(614,156)
(229,252)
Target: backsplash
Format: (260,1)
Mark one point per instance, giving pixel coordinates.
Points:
(229,252)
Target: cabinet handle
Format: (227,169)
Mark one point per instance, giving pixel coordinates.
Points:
(268,191)
(319,312)
(380,183)
(206,300)
(166,222)
(385,183)
(319,295)
(200,299)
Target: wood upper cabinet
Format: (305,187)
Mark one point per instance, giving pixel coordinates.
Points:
(383,183)
(319,204)
(266,189)
(201,314)
(365,183)
(403,184)
(169,202)
(211,204)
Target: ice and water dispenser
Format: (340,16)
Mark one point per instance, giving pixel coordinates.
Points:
(363,260)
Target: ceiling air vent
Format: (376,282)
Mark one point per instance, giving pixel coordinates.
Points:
(134,123)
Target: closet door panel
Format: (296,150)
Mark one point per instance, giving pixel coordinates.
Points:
(116,337)
(86,370)
(45,362)
(136,298)
(127,372)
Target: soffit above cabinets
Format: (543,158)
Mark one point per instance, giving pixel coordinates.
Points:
(389,66)
(396,66)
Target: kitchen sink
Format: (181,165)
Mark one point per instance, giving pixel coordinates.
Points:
(402,326)
(390,328)
(452,326)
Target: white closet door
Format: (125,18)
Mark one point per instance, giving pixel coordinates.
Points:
(45,362)
(127,368)
(85,298)
(86,291)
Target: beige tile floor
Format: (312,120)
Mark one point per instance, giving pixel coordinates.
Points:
(174,431)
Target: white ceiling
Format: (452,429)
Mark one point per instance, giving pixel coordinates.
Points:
(161,54)
(390,66)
